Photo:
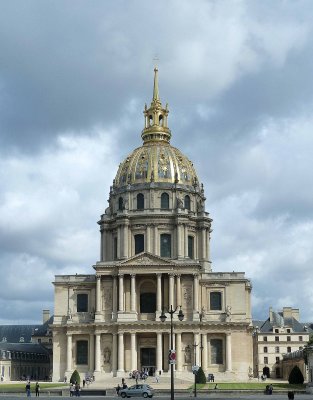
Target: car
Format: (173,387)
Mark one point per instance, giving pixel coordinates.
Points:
(137,390)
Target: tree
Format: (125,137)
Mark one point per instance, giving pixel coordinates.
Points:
(296,376)
(200,377)
(75,378)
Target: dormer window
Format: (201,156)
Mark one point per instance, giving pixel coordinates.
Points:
(22,340)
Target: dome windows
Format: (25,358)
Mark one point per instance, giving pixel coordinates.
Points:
(166,245)
(140,201)
(187,202)
(120,204)
(165,201)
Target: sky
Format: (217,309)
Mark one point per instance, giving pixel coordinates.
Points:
(74,78)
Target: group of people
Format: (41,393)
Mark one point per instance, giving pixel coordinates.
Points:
(269,389)
(27,389)
(123,386)
(75,389)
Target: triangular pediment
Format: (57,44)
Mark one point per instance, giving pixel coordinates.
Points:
(147,259)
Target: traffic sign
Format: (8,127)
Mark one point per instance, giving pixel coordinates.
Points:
(172,356)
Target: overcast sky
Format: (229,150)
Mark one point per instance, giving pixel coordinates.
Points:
(74,77)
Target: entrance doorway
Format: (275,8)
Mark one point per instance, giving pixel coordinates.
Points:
(147,360)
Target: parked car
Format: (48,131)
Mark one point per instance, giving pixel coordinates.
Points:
(137,390)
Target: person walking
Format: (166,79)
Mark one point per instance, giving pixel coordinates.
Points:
(37,389)
(27,388)
(72,390)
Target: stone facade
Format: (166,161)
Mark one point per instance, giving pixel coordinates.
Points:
(155,254)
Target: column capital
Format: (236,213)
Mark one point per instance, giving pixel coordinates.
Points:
(120,275)
(98,277)
(158,274)
(133,275)
(178,275)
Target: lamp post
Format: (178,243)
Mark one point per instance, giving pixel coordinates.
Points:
(163,317)
(195,363)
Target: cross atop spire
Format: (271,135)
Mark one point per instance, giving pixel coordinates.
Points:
(156,128)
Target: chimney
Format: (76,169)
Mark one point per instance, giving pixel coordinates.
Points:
(296,314)
(271,314)
(287,312)
(45,315)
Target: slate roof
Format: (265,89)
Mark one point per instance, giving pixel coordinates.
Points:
(24,347)
(14,333)
(279,321)
(43,329)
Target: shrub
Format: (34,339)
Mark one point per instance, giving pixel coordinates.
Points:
(75,377)
(295,376)
(200,377)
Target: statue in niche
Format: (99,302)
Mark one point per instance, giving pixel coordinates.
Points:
(69,314)
(228,313)
(152,176)
(106,355)
(187,354)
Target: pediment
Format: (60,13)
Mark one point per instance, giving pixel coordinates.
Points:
(147,259)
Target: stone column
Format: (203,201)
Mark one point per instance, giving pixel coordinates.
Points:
(114,353)
(159,352)
(121,293)
(133,351)
(69,352)
(121,352)
(125,241)
(98,293)
(197,348)
(156,241)
(148,239)
(159,293)
(179,240)
(91,352)
(203,243)
(171,290)
(119,242)
(205,351)
(178,353)
(186,240)
(178,290)
(196,292)
(133,293)
(98,352)
(114,300)
(228,352)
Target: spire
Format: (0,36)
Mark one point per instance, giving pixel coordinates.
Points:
(156,117)
(156,97)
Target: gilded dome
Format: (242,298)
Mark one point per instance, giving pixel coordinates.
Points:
(156,160)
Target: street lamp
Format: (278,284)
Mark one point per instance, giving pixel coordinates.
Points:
(163,317)
(195,363)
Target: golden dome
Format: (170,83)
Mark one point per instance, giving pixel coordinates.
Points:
(156,160)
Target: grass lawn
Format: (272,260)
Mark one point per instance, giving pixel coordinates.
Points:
(249,386)
(20,387)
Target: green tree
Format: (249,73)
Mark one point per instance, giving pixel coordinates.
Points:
(296,376)
(75,377)
(200,377)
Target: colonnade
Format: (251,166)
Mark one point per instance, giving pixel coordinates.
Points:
(125,247)
(119,293)
(201,340)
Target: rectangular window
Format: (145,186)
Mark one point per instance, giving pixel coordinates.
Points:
(139,243)
(215,300)
(276,349)
(276,338)
(82,302)
(277,360)
(288,338)
(216,351)
(82,352)
(166,245)
(288,331)
(190,246)
(265,349)
(276,330)
(300,338)
(288,349)
(264,338)
(265,360)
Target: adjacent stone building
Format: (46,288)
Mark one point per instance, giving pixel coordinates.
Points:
(155,254)
(282,333)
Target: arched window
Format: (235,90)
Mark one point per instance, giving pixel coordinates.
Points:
(140,201)
(187,202)
(166,245)
(165,201)
(215,301)
(120,203)
(139,243)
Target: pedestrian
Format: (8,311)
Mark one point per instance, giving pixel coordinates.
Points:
(77,389)
(27,388)
(72,390)
(118,388)
(291,395)
(84,383)
(156,378)
(215,387)
(37,389)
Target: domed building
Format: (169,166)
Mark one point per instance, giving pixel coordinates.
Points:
(155,259)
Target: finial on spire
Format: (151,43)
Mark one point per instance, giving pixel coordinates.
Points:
(156,86)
